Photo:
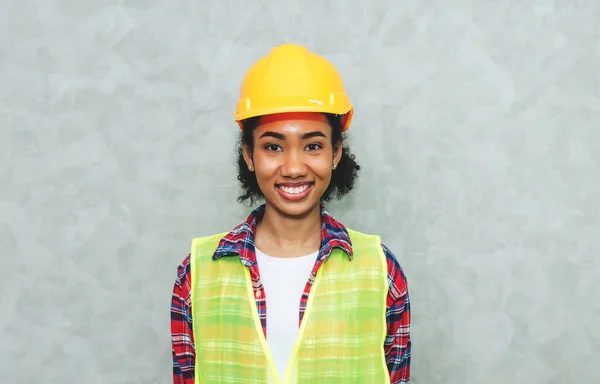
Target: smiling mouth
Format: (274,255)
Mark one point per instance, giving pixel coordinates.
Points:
(294,190)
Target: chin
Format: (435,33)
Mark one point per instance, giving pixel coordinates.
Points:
(294,209)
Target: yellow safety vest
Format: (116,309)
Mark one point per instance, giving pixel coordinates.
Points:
(340,339)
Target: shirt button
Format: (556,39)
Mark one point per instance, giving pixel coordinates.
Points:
(258,294)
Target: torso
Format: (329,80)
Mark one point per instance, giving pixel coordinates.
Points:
(284,279)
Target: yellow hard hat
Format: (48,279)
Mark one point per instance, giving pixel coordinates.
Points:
(292,79)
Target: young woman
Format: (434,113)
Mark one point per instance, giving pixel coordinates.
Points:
(291,295)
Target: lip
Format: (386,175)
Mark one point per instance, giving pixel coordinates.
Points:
(294,196)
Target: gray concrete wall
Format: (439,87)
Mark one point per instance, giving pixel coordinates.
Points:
(477,125)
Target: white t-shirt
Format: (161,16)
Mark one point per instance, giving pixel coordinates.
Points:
(284,280)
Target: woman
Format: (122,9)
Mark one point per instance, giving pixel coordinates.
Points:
(337,299)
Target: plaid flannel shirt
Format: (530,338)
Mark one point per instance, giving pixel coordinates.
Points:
(240,243)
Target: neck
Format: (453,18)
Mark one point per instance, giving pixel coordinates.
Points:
(284,236)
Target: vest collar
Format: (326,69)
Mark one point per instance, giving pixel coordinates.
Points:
(240,241)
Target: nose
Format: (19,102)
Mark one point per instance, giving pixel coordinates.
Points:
(293,165)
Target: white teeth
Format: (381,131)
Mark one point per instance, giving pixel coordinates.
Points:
(294,190)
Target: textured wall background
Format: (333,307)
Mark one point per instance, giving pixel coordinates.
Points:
(477,124)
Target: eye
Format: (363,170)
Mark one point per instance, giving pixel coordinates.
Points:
(314,147)
(272,147)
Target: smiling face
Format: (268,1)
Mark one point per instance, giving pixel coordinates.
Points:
(293,159)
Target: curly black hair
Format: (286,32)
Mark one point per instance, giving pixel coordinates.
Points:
(342,178)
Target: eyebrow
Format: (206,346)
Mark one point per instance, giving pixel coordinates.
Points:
(281,136)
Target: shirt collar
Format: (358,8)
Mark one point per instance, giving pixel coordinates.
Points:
(240,241)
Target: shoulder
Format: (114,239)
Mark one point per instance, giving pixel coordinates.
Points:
(396,275)
(212,238)
(183,271)
(397,279)
(181,288)
(362,238)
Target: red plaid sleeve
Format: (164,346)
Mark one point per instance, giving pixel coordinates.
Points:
(397,344)
(182,337)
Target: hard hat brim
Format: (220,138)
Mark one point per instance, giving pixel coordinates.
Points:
(347,112)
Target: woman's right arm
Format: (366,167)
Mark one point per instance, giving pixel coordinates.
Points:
(182,337)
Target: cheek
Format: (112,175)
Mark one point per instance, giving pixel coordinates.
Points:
(265,166)
(267,161)
(322,167)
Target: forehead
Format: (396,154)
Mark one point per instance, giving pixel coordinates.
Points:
(294,122)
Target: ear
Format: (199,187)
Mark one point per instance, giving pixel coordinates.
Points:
(247,153)
(337,153)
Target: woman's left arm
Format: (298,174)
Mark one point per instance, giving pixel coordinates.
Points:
(397,345)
